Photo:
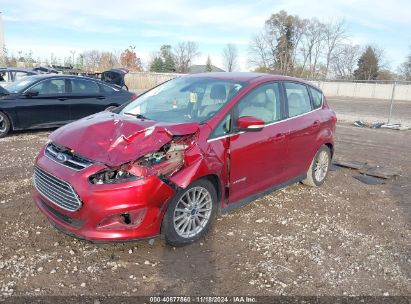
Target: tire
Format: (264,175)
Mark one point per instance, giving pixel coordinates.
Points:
(321,161)
(4,125)
(183,224)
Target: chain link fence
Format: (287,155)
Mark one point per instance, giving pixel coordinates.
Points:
(369,101)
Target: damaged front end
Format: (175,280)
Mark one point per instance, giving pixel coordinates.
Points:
(161,163)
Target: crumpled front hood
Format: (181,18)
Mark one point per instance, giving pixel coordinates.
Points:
(115,139)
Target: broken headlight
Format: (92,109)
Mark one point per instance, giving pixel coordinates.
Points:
(112,177)
(166,161)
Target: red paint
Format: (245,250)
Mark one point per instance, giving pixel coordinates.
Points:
(259,160)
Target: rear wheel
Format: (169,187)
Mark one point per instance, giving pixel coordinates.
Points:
(190,213)
(319,167)
(4,124)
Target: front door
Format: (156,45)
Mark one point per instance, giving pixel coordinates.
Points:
(257,158)
(49,108)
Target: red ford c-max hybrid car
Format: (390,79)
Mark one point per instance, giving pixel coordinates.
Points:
(169,161)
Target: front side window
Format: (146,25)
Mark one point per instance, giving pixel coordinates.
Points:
(298,99)
(223,128)
(263,102)
(317,98)
(185,99)
(50,87)
(84,87)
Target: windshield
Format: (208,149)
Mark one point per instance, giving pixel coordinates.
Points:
(20,85)
(184,100)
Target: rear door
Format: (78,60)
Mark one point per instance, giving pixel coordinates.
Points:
(257,158)
(304,124)
(49,108)
(87,97)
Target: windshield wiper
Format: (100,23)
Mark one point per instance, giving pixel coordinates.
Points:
(140,116)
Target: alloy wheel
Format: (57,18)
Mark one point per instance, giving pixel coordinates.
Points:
(3,124)
(321,166)
(192,212)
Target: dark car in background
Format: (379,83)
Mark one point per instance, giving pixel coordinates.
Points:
(9,75)
(47,100)
(115,76)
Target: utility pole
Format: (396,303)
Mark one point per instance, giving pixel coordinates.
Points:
(2,54)
(72,55)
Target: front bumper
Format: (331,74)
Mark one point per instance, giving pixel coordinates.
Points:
(147,197)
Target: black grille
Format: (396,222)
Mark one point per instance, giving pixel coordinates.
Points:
(56,190)
(69,220)
(65,157)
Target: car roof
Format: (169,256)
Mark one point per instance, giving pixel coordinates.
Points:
(17,70)
(44,76)
(246,76)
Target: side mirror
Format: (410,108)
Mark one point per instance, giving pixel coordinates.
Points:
(31,93)
(249,124)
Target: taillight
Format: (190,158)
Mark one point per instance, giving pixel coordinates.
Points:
(133,97)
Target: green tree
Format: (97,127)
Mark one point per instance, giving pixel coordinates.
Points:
(286,30)
(164,61)
(157,65)
(368,65)
(169,64)
(208,66)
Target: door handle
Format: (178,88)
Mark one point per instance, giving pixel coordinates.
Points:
(101,97)
(315,124)
(279,137)
(62,98)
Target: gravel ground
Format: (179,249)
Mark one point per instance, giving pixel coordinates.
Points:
(344,238)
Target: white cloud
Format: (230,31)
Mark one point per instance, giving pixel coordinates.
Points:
(212,24)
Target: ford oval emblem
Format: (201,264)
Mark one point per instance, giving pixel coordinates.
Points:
(61,157)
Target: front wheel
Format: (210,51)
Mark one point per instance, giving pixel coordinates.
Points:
(319,167)
(190,213)
(4,125)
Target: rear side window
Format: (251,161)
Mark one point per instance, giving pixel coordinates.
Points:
(80,86)
(298,99)
(317,98)
(107,89)
(5,76)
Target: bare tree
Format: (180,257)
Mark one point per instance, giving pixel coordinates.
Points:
(334,34)
(260,52)
(230,57)
(108,61)
(344,60)
(184,54)
(91,60)
(311,43)
(275,48)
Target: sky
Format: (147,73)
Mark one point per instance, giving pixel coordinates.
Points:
(58,26)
